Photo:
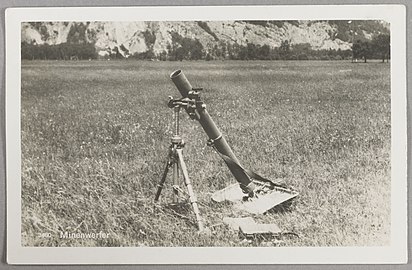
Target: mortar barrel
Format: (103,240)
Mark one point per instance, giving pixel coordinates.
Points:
(181,82)
(212,131)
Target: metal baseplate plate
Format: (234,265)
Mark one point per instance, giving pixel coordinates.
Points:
(259,204)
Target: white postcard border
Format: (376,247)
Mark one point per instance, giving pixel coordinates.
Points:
(395,253)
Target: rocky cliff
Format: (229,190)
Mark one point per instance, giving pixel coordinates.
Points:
(129,38)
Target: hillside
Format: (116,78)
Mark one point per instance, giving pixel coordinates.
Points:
(160,37)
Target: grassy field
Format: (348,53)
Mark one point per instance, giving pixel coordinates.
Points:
(95,138)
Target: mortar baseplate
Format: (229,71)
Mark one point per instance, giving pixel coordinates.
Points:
(259,204)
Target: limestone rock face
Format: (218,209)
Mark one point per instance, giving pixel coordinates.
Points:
(30,35)
(128,38)
(50,33)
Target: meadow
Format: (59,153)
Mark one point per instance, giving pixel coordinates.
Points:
(95,136)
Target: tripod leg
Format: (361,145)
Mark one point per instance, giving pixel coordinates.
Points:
(175,181)
(193,199)
(162,181)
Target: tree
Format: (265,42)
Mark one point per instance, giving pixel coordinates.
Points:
(264,52)
(356,47)
(233,51)
(180,54)
(243,53)
(77,33)
(195,50)
(185,48)
(301,51)
(252,51)
(361,49)
(163,56)
(381,46)
(284,49)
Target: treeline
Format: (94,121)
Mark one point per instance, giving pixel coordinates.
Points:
(183,48)
(189,49)
(63,51)
(286,51)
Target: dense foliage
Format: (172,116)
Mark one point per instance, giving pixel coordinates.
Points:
(377,48)
(63,51)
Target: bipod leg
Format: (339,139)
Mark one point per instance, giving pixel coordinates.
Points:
(162,181)
(192,196)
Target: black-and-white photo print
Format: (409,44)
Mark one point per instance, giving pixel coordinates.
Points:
(272,133)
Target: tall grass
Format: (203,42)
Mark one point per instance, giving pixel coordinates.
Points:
(95,138)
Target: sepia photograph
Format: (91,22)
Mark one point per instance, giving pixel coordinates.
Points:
(206,133)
